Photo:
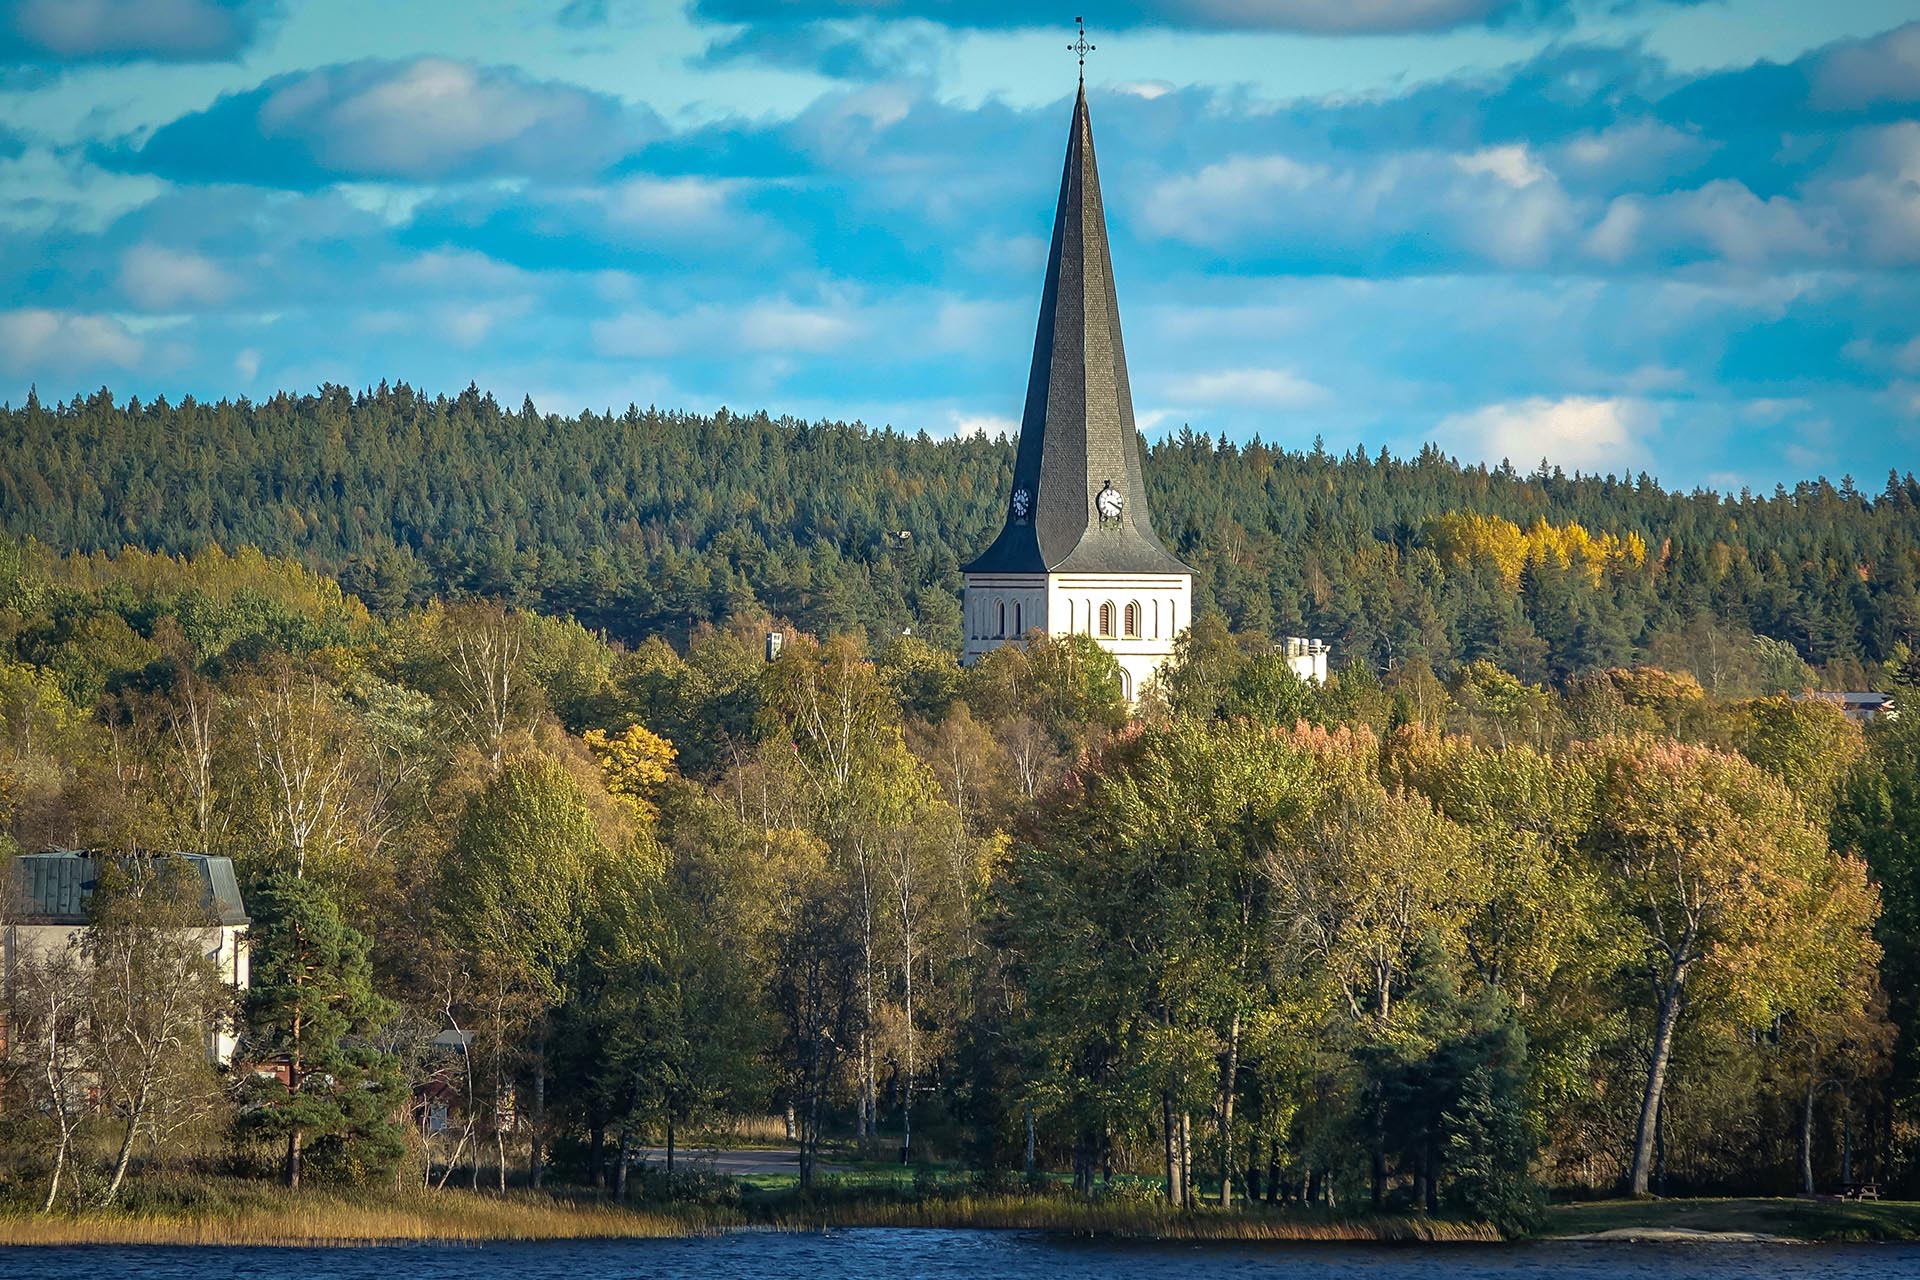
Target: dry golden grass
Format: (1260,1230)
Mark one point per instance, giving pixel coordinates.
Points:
(323,1219)
(755,1129)
(219,1211)
(1133,1221)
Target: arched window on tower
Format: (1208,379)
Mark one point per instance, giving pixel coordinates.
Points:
(1130,620)
(1018,629)
(1106,618)
(1000,615)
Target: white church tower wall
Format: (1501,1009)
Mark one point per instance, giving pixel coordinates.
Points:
(1077,554)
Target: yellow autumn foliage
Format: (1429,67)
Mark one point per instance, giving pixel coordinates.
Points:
(634,764)
(1467,538)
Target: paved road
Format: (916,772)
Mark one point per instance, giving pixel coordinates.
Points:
(734,1162)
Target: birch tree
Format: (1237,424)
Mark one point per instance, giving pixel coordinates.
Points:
(302,747)
(155,1000)
(47,1008)
(1723,888)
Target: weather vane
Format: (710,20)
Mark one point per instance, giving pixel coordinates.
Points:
(1081,47)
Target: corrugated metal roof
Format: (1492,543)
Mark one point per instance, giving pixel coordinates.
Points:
(53,887)
(223,889)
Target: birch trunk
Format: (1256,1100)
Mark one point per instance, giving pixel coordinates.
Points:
(1806,1142)
(1229,1070)
(536,1151)
(1666,1020)
(125,1158)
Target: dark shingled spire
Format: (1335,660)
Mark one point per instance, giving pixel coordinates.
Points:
(1077,434)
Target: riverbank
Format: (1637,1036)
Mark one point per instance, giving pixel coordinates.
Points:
(238,1212)
(1791,1220)
(215,1212)
(1133,1221)
(251,1214)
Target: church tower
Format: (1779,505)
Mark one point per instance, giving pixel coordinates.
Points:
(1078,553)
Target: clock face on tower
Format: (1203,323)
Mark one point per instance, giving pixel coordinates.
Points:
(1022,503)
(1108,503)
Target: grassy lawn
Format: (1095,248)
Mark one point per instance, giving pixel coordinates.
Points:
(1800,1219)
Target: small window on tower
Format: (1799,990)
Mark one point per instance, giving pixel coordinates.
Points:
(1018,630)
(1106,618)
(1000,608)
(1132,628)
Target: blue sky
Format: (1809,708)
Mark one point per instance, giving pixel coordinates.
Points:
(1680,236)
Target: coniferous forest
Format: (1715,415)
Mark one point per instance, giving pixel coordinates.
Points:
(1559,886)
(650,523)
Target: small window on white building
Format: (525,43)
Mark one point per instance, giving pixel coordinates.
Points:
(1106,618)
(1000,611)
(1018,629)
(1130,621)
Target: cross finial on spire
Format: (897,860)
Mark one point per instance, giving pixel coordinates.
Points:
(1082,48)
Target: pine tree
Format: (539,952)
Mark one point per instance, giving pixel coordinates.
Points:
(310,1013)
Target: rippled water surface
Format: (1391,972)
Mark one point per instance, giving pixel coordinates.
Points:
(963,1255)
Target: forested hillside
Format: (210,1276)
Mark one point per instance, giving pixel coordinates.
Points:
(1417,944)
(650,522)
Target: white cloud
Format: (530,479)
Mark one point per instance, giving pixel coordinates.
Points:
(1630,152)
(1227,201)
(35,339)
(1618,235)
(638,334)
(246,365)
(1909,356)
(1346,17)
(1860,73)
(1514,165)
(1500,204)
(418,120)
(1251,388)
(1581,433)
(969,325)
(1769,411)
(1905,398)
(1737,225)
(782,326)
(985,425)
(457,270)
(1722,219)
(1653,377)
(468,324)
(161,279)
(770,328)
(679,204)
(1013,257)
(1876,186)
(133,28)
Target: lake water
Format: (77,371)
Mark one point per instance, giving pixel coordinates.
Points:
(964,1255)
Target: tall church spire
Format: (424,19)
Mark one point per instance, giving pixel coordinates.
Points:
(1078,504)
